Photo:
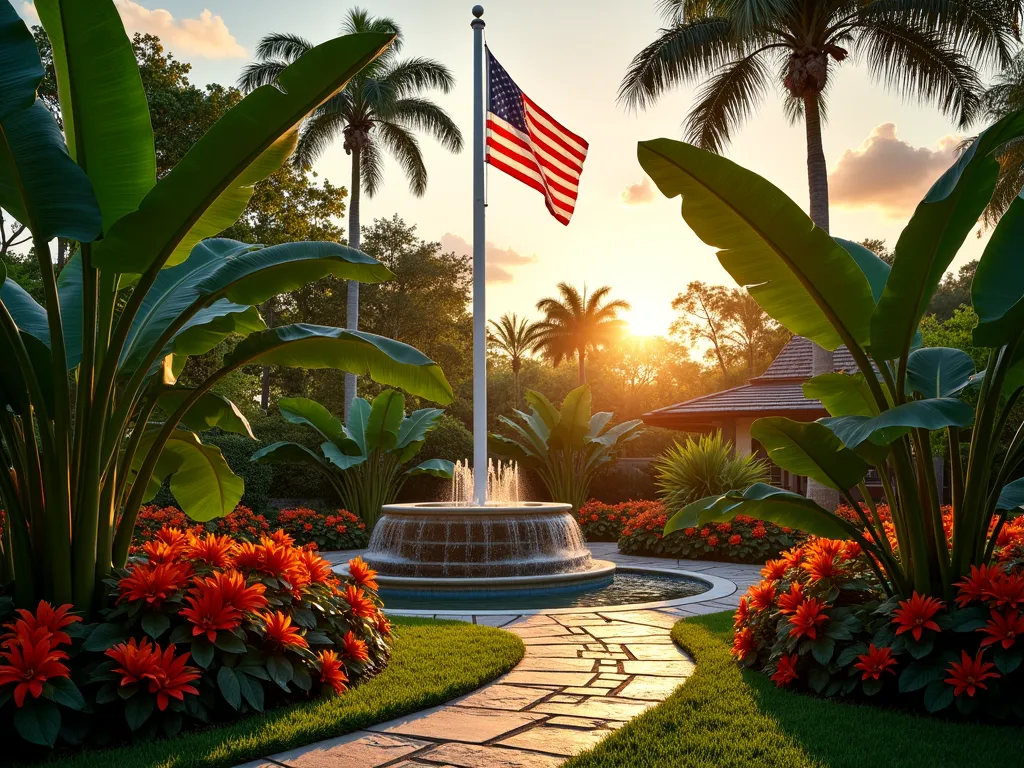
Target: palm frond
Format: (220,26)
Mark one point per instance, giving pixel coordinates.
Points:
(260,73)
(372,168)
(726,100)
(678,55)
(281,46)
(359,20)
(748,17)
(916,62)
(315,136)
(411,76)
(401,143)
(426,116)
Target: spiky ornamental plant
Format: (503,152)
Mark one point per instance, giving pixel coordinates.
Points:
(86,370)
(566,447)
(701,468)
(836,292)
(365,460)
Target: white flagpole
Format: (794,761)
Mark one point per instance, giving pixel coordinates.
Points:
(479,268)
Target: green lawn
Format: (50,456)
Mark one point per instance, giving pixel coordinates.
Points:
(725,718)
(433,661)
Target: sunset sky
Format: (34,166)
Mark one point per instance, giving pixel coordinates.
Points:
(569,56)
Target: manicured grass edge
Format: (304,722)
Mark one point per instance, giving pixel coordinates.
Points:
(723,717)
(433,662)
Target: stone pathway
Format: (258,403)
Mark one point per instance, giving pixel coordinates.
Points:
(585,673)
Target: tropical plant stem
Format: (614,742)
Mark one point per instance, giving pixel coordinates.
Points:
(956,473)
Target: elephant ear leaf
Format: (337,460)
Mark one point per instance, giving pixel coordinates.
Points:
(811,450)
(302,410)
(40,185)
(210,410)
(997,291)
(933,236)
(385,420)
(794,270)
(415,428)
(842,394)
(435,468)
(543,407)
(939,371)
(1011,496)
(573,420)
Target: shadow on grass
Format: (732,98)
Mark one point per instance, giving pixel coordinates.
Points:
(725,718)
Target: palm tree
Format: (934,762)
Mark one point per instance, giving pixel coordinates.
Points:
(516,337)
(574,324)
(380,110)
(1004,96)
(919,48)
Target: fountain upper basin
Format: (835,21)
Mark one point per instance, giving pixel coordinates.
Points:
(452,545)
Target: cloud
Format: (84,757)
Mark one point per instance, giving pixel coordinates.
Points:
(888,173)
(499,260)
(207,36)
(638,194)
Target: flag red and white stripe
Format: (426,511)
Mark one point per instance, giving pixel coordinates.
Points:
(528,144)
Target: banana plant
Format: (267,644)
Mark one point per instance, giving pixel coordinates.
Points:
(366,459)
(89,367)
(836,292)
(566,447)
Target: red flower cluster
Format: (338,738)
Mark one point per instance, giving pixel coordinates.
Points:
(30,646)
(165,674)
(608,522)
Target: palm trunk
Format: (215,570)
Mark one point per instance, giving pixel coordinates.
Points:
(352,307)
(817,172)
(817,183)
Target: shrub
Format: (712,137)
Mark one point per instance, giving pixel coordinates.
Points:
(821,621)
(329,531)
(741,540)
(604,522)
(623,481)
(204,629)
(258,479)
(701,468)
(295,481)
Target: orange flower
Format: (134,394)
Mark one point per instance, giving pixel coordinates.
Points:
(975,586)
(790,601)
(742,613)
(172,537)
(280,631)
(282,539)
(45,622)
(383,625)
(794,557)
(31,661)
(212,549)
(1006,591)
(774,570)
(969,674)
(806,618)
(851,551)
(173,682)
(353,648)
(152,582)
(743,644)
(915,615)
(157,551)
(820,565)
(332,672)
(830,548)
(362,574)
(1003,628)
(235,592)
(875,662)
(785,670)
(360,604)
(317,569)
(269,557)
(762,595)
(209,611)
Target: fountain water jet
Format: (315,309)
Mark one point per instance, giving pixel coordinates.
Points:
(502,545)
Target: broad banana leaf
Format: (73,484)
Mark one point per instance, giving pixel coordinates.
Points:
(938,371)
(598,422)
(209,411)
(511,449)
(106,113)
(289,453)
(875,270)
(1011,496)
(434,468)
(810,449)
(387,362)
(531,440)
(543,407)
(27,314)
(763,502)
(209,188)
(302,410)
(415,428)
(842,394)
(936,413)
(341,460)
(570,431)
(997,291)
(386,414)
(620,433)
(796,272)
(933,236)
(355,425)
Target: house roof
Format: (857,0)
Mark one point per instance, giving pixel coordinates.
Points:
(778,392)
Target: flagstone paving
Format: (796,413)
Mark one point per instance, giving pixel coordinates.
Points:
(585,673)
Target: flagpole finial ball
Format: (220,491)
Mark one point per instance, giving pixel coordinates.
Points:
(478,11)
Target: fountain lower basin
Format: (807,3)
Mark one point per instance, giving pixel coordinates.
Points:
(445,546)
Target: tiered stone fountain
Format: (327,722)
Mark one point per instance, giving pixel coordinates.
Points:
(505,545)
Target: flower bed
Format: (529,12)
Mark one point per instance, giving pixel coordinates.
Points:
(203,630)
(743,540)
(604,522)
(328,531)
(819,621)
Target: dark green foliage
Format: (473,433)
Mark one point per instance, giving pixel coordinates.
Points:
(295,481)
(258,479)
(450,441)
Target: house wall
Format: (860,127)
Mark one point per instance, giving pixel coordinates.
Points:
(742,441)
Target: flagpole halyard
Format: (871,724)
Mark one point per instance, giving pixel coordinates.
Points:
(479,267)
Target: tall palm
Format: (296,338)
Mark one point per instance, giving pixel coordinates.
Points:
(380,110)
(925,49)
(573,324)
(1005,95)
(516,337)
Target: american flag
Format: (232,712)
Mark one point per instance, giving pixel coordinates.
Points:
(525,142)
